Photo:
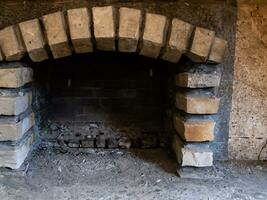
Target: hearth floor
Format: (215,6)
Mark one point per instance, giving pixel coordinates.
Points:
(126,174)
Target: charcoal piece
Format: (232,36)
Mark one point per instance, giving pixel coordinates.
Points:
(100,141)
(124,143)
(112,142)
(88,142)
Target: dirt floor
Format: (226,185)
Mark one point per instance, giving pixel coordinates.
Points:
(53,174)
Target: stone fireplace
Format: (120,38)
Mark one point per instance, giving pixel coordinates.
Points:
(112,77)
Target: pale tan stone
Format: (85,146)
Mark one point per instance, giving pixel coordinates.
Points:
(201,44)
(129,29)
(56,34)
(154,35)
(104,27)
(197,103)
(80,30)
(34,40)
(15,77)
(248,117)
(179,40)
(217,50)
(11,43)
(14,105)
(14,156)
(195,130)
(247,148)
(13,131)
(192,155)
(197,80)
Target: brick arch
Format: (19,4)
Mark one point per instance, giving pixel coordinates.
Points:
(82,30)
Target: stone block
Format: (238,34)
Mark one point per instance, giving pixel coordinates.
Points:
(80,30)
(217,50)
(11,43)
(197,102)
(34,40)
(56,34)
(201,44)
(194,129)
(13,131)
(129,29)
(192,155)
(154,35)
(14,105)
(13,156)
(100,141)
(197,80)
(179,40)
(104,27)
(15,77)
(247,148)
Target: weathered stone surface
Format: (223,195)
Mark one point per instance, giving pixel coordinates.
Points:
(11,43)
(1,55)
(217,50)
(197,80)
(129,29)
(154,35)
(80,26)
(14,156)
(247,148)
(194,129)
(197,102)
(15,105)
(104,27)
(13,131)
(55,29)
(34,40)
(15,77)
(249,102)
(201,44)
(179,40)
(194,155)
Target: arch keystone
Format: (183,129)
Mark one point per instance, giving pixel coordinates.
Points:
(79,26)
(129,29)
(34,40)
(104,27)
(55,29)
(154,35)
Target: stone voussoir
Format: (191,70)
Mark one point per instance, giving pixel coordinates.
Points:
(217,50)
(197,80)
(154,35)
(197,103)
(15,77)
(15,105)
(13,131)
(80,29)
(193,154)
(194,129)
(179,40)
(129,29)
(11,43)
(201,44)
(56,34)
(34,39)
(104,27)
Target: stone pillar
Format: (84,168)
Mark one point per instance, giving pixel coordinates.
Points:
(17,119)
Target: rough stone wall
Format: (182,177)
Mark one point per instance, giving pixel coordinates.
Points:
(216,15)
(248,128)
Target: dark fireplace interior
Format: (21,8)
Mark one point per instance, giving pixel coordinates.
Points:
(105,100)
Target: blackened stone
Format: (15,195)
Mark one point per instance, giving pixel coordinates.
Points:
(113,142)
(100,141)
(88,142)
(124,143)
